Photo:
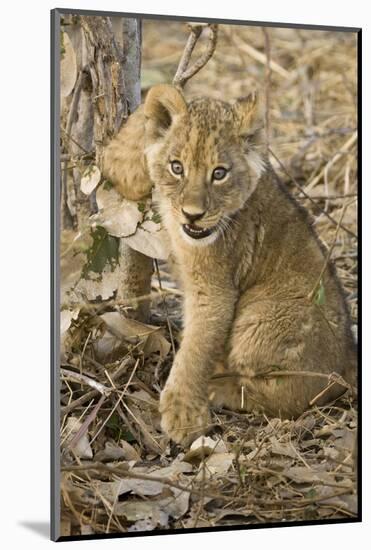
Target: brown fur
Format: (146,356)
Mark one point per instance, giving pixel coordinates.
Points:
(124,163)
(247,286)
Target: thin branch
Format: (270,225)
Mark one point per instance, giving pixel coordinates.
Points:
(122,471)
(117,402)
(68,217)
(329,253)
(283,167)
(92,393)
(344,149)
(75,102)
(258,56)
(75,142)
(77,377)
(322,393)
(268,74)
(329,197)
(85,425)
(166,308)
(184,72)
(332,377)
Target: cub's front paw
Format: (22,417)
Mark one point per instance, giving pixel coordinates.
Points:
(183,417)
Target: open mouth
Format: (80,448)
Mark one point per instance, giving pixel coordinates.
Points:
(197,232)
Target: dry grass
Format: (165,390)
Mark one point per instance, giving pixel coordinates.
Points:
(265,470)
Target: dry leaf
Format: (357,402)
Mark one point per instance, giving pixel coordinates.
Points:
(67,315)
(174,505)
(120,217)
(103,286)
(125,327)
(111,452)
(284,449)
(141,396)
(121,329)
(90,179)
(135,510)
(177,504)
(154,245)
(202,447)
(82,449)
(86,529)
(173,471)
(301,474)
(123,218)
(215,464)
(348,502)
(148,524)
(157,343)
(150,226)
(65,527)
(345,439)
(129,452)
(111,490)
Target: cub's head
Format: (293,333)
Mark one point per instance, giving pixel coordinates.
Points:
(204,159)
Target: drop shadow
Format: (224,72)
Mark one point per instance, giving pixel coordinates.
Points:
(42,528)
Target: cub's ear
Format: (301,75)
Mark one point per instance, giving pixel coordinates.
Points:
(248,114)
(163,106)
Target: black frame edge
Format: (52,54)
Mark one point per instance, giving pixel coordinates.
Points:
(359,271)
(224,528)
(108,13)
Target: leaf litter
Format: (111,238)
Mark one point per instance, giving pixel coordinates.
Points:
(248,469)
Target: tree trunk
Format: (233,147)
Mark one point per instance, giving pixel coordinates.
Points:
(107,90)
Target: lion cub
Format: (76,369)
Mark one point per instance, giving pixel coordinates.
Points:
(248,260)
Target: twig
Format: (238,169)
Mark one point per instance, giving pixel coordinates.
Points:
(184,72)
(322,393)
(150,440)
(120,470)
(333,377)
(258,56)
(324,267)
(79,402)
(283,167)
(64,436)
(92,393)
(117,402)
(344,149)
(77,377)
(85,425)
(75,142)
(68,217)
(75,102)
(165,306)
(83,350)
(329,197)
(268,74)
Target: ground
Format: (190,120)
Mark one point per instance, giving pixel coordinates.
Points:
(119,472)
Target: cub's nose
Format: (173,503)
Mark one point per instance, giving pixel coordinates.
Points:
(194,216)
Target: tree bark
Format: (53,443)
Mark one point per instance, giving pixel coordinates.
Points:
(107,90)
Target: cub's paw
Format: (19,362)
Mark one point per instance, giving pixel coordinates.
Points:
(183,417)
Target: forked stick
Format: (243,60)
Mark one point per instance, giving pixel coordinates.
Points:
(184,72)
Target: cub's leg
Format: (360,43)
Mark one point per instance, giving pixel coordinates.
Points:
(272,336)
(184,404)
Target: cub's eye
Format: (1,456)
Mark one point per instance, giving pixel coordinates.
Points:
(176,167)
(219,173)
